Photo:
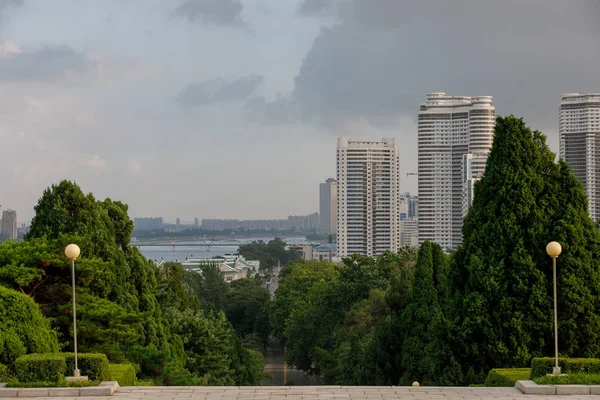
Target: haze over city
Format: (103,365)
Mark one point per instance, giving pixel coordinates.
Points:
(231,109)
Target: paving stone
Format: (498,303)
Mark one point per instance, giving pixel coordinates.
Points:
(63,392)
(95,391)
(572,389)
(8,392)
(33,392)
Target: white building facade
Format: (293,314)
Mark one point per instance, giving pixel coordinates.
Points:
(455,135)
(368,176)
(579,135)
(409,232)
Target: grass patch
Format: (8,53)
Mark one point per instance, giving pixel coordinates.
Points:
(506,377)
(570,379)
(50,384)
(144,382)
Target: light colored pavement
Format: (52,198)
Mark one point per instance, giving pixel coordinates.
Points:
(322,392)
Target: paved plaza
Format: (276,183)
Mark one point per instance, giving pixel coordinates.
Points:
(321,392)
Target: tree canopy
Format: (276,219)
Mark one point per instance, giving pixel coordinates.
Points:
(501,272)
(128,308)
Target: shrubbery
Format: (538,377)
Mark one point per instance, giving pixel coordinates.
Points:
(92,365)
(23,329)
(540,367)
(3,373)
(48,368)
(124,374)
(507,377)
(570,379)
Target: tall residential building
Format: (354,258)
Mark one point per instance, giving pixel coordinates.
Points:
(9,224)
(328,206)
(579,132)
(368,176)
(196,222)
(455,136)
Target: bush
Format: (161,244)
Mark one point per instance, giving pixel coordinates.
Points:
(542,366)
(3,373)
(506,377)
(92,365)
(124,374)
(571,379)
(23,328)
(40,368)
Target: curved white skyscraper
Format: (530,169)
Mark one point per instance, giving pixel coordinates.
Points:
(455,134)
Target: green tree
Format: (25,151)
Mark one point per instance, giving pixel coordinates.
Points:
(425,354)
(23,329)
(501,274)
(246,300)
(269,254)
(214,289)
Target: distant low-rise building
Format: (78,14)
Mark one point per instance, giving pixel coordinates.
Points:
(320,252)
(232,266)
(305,223)
(148,224)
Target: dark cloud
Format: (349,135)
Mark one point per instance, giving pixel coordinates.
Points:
(50,63)
(212,12)
(382,57)
(219,91)
(315,7)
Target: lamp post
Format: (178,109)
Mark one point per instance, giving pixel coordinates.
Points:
(554,249)
(72,252)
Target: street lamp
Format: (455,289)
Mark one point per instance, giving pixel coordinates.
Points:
(554,249)
(72,252)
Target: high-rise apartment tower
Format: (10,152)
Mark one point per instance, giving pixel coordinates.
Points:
(9,224)
(455,135)
(579,133)
(328,206)
(368,176)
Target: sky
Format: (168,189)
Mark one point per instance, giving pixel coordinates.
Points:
(231,108)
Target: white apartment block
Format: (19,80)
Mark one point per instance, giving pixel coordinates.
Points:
(368,176)
(455,134)
(579,133)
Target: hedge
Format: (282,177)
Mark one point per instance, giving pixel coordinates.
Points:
(40,368)
(571,379)
(124,374)
(543,366)
(506,377)
(92,365)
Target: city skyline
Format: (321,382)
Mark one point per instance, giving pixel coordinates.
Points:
(161,104)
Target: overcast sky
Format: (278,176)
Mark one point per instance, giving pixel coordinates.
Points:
(231,108)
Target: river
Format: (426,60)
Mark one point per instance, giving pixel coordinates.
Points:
(182,252)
